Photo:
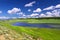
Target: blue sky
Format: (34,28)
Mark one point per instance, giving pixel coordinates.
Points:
(18,8)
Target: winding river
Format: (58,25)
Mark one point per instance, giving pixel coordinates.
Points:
(43,25)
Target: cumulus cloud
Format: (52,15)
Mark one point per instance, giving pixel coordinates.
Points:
(29,10)
(49,14)
(42,15)
(49,8)
(0,11)
(56,12)
(53,13)
(57,6)
(34,14)
(21,14)
(37,10)
(4,17)
(52,7)
(30,4)
(14,10)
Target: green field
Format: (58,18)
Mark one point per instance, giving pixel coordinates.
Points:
(36,20)
(33,33)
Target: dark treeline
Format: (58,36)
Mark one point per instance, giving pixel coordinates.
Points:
(45,18)
(49,18)
(33,18)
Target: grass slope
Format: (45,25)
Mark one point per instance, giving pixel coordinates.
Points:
(34,33)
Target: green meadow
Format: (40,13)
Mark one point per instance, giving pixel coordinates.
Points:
(33,20)
(33,33)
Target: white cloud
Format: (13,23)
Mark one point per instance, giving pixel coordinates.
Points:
(0,11)
(52,7)
(21,14)
(14,10)
(49,14)
(37,10)
(34,14)
(49,8)
(30,4)
(4,17)
(29,10)
(56,12)
(57,6)
(42,15)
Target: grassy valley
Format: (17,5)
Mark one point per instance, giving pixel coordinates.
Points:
(28,33)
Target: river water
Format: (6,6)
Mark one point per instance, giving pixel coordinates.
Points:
(43,25)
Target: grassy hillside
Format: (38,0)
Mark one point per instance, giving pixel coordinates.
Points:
(28,33)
